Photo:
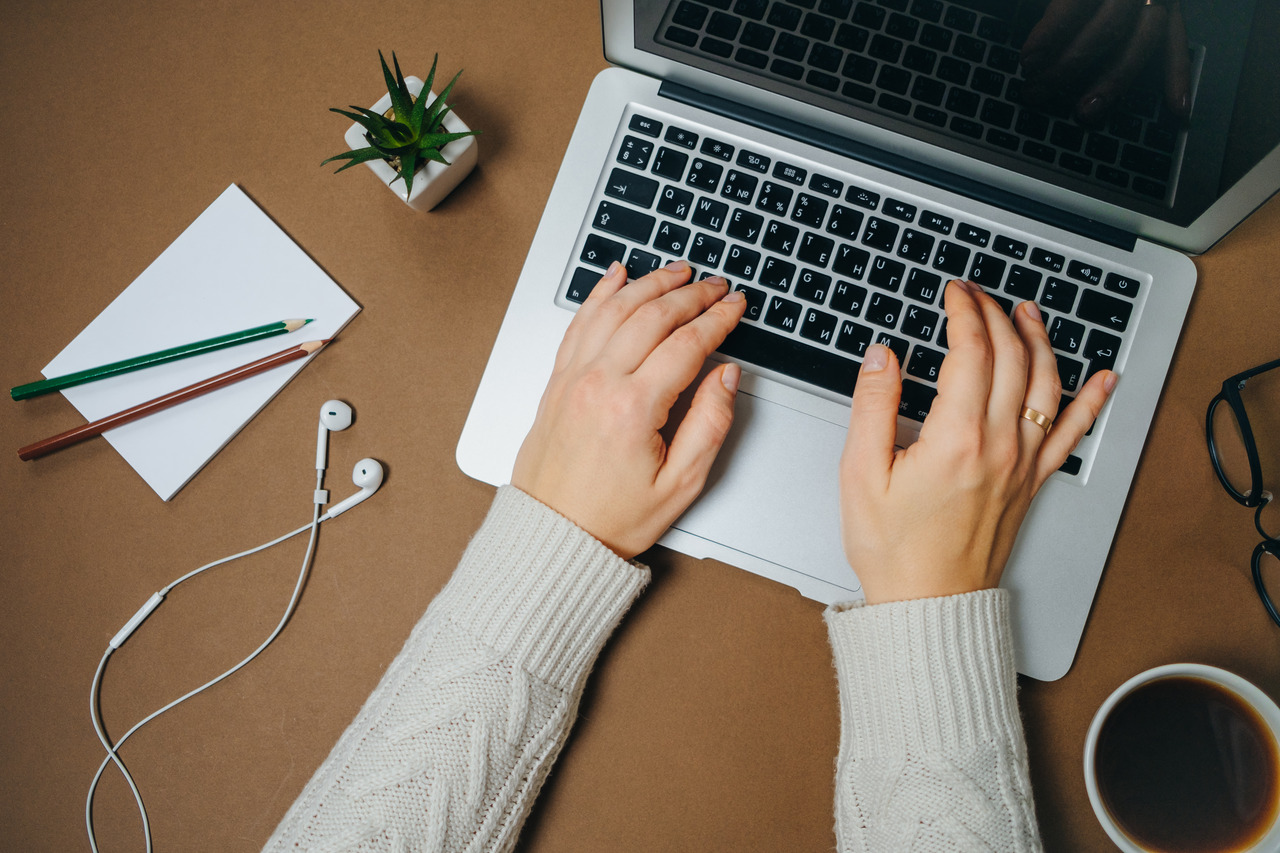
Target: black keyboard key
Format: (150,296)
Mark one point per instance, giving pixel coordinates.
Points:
(815,250)
(774,198)
(716,47)
(682,36)
(862,198)
(706,251)
(1117,283)
(899,210)
(624,222)
(691,15)
(895,343)
(635,152)
(644,124)
(581,285)
(1084,272)
(777,274)
(844,222)
(724,26)
(716,148)
(669,163)
(812,286)
(601,251)
(867,15)
(704,175)
(922,286)
(750,57)
(916,246)
(786,17)
(758,36)
(925,364)
(998,113)
(826,185)
(929,115)
(893,79)
(818,326)
(954,71)
(1039,151)
(1101,349)
(973,235)
(919,323)
(1047,260)
(852,38)
(1066,335)
(884,310)
(930,91)
(854,338)
(783,314)
(952,258)
(916,400)
(739,186)
(987,270)
(1059,295)
(641,263)
(936,222)
(629,186)
(1023,283)
(848,298)
(1144,161)
(1104,310)
(675,202)
(886,274)
(741,262)
(680,136)
(851,261)
(780,238)
(880,234)
(744,225)
(755,302)
(672,239)
(809,210)
(1069,371)
(753,161)
(1072,465)
(789,356)
(1015,249)
(818,27)
(787,172)
(710,214)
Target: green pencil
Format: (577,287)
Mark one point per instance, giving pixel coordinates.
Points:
(57,383)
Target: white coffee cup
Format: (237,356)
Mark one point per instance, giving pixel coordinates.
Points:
(1248,693)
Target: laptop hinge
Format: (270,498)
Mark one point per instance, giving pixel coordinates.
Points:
(907,167)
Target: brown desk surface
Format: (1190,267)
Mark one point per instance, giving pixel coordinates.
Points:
(711,721)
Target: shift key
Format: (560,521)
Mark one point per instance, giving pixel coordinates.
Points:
(624,222)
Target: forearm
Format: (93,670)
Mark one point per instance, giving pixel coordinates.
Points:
(932,754)
(454,743)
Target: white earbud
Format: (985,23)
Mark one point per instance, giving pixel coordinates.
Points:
(335,416)
(368,476)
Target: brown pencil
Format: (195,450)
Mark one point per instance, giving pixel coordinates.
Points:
(213,383)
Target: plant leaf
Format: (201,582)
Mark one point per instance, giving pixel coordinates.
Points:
(399,94)
(440,140)
(434,155)
(356,157)
(424,97)
(374,125)
(439,103)
(408,165)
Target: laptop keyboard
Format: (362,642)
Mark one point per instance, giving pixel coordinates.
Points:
(947,66)
(831,262)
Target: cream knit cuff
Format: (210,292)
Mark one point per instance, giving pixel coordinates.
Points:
(926,675)
(538,588)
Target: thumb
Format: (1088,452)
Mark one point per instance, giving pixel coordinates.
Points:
(702,432)
(873,422)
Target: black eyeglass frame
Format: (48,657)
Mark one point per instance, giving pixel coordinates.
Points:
(1257,496)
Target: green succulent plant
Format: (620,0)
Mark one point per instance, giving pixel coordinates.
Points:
(413,133)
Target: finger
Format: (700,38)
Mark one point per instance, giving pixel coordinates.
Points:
(1009,366)
(1100,37)
(1177,64)
(1115,82)
(676,360)
(700,436)
(610,313)
(964,382)
(873,420)
(1061,20)
(610,283)
(1044,387)
(657,321)
(1073,423)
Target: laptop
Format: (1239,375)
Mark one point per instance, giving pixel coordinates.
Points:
(838,161)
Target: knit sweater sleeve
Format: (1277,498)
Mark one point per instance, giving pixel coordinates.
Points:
(451,748)
(932,755)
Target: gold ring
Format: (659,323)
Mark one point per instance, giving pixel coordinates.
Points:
(1040,419)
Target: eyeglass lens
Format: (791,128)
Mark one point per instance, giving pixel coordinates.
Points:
(1260,399)
(1266,575)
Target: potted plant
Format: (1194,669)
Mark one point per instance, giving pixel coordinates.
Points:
(411,135)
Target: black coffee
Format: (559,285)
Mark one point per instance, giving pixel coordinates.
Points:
(1185,765)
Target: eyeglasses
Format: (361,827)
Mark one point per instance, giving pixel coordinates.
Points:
(1238,464)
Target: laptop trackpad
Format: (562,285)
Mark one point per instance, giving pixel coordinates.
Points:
(773,493)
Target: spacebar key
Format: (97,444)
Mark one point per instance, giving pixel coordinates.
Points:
(801,361)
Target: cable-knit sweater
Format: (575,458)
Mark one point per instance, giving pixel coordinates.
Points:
(451,748)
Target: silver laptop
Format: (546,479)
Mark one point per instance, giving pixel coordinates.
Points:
(839,161)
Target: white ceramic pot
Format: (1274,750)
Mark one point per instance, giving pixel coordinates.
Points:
(433,181)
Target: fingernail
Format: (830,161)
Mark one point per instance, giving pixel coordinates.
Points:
(729,376)
(679,265)
(1110,382)
(716,279)
(734,296)
(877,358)
(613,269)
(1032,311)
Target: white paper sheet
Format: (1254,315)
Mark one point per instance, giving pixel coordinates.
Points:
(230,270)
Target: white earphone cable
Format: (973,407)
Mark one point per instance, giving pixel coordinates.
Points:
(95,711)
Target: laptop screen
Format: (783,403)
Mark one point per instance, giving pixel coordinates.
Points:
(1143,116)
